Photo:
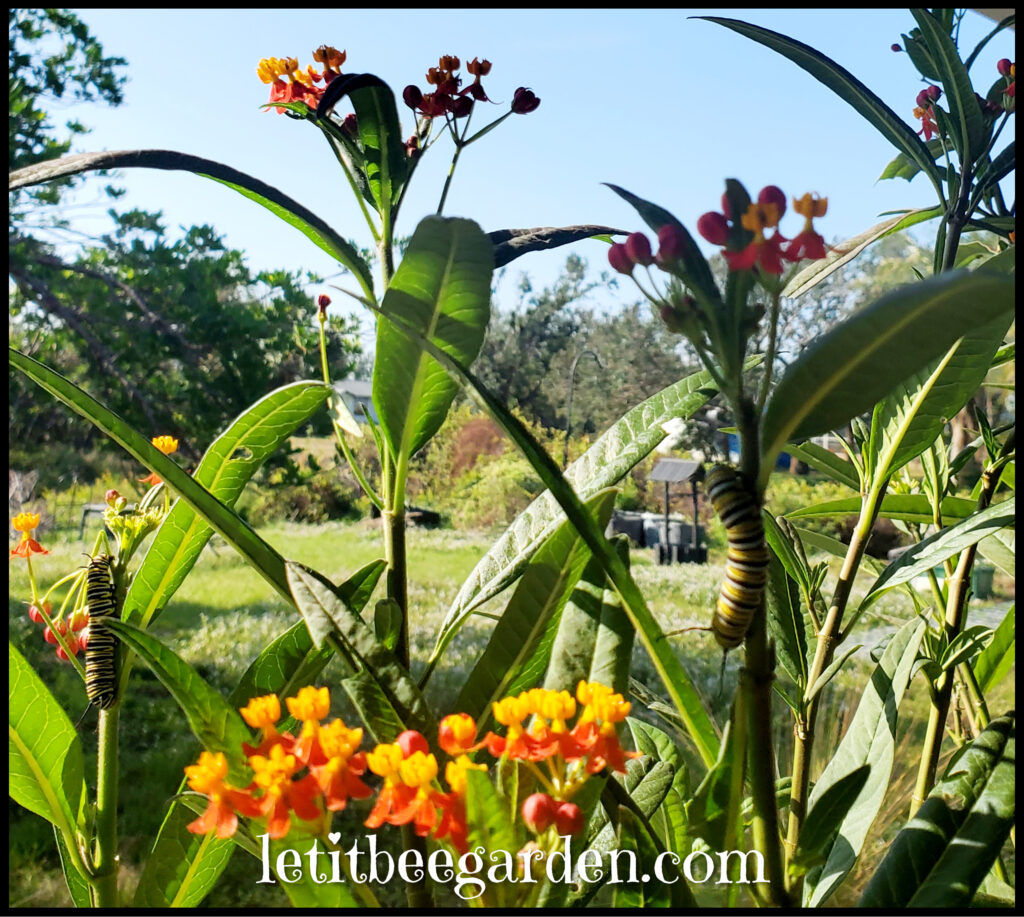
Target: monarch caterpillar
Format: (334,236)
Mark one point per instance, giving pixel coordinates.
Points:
(746,568)
(100,659)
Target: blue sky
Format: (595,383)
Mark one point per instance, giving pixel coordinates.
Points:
(662,104)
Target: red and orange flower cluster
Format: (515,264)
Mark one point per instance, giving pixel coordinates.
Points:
(766,252)
(322,768)
(1008,71)
(448,98)
(300,85)
(318,770)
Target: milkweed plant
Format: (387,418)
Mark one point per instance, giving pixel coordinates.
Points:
(542,748)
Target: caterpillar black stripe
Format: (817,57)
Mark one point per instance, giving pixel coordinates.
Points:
(101,650)
(746,568)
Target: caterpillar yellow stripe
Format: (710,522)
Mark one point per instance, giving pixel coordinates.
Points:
(746,567)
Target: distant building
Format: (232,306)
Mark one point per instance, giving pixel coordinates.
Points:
(358,397)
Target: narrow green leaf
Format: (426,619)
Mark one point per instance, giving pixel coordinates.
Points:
(836,548)
(998,657)
(858,362)
(824,819)
(510,244)
(326,614)
(266,561)
(442,289)
(820,459)
(941,852)
(211,718)
(1004,163)
(45,767)
(595,637)
(651,741)
(647,782)
(224,472)
(297,879)
(906,168)
(845,85)
(376,712)
(542,592)
(785,617)
(905,507)
(831,671)
(678,684)
(78,888)
(815,272)
(182,867)
(385,163)
(1001,550)
(641,889)
(931,552)
(487,816)
(610,458)
(914,413)
(293,213)
(870,739)
(965,113)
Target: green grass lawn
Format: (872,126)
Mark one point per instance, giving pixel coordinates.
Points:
(225,613)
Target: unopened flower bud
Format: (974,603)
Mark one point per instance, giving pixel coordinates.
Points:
(638,247)
(462,106)
(350,126)
(412,96)
(412,147)
(411,742)
(714,226)
(538,812)
(773,194)
(1003,66)
(619,259)
(524,101)
(111,497)
(35,615)
(895,47)
(671,244)
(322,302)
(50,637)
(79,620)
(568,818)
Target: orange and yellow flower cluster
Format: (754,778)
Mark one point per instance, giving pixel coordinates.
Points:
(289,83)
(318,771)
(26,523)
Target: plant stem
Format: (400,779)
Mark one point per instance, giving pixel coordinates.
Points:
(448,180)
(956,602)
(756,687)
(828,640)
(105,852)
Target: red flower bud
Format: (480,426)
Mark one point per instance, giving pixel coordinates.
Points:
(412,147)
(50,637)
(350,126)
(79,619)
(927,96)
(619,259)
(72,645)
(1003,66)
(714,226)
(412,96)
(773,194)
(83,639)
(671,244)
(36,616)
(111,497)
(462,106)
(638,247)
(524,101)
(895,47)
(411,742)
(568,818)
(322,302)
(538,812)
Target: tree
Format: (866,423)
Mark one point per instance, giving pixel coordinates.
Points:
(174,334)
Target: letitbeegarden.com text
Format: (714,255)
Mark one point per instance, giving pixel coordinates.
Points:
(473,870)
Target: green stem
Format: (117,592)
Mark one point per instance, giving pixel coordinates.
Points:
(105,851)
(769,359)
(829,638)
(448,180)
(956,603)
(756,690)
